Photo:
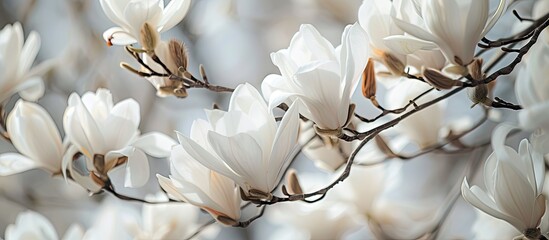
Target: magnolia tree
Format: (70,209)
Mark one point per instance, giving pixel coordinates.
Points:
(411,61)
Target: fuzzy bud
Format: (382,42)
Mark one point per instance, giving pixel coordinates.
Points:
(149,38)
(475,69)
(395,66)
(479,94)
(439,80)
(178,53)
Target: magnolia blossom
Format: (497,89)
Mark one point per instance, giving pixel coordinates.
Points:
(31,225)
(193,183)
(375,18)
(455,26)
(321,77)
(100,129)
(514,182)
(131,15)
(16,58)
(532,88)
(34,134)
(244,143)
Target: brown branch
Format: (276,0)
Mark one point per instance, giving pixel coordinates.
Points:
(437,146)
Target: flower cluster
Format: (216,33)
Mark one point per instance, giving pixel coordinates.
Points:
(422,51)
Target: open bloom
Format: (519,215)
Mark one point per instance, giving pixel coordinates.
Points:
(532,88)
(191,182)
(34,134)
(455,26)
(321,77)
(514,182)
(106,132)
(16,58)
(131,15)
(244,143)
(32,225)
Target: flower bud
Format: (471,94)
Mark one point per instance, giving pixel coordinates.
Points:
(149,38)
(439,80)
(226,220)
(293,183)
(178,53)
(395,66)
(479,94)
(475,69)
(369,80)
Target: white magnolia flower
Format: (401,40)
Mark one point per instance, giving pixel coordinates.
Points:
(321,77)
(191,182)
(98,128)
(34,134)
(532,88)
(514,182)
(375,18)
(244,143)
(32,225)
(131,15)
(455,26)
(16,58)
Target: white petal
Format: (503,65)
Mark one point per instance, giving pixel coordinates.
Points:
(524,88)
(244,156)
(415,30)
(272,83)
(402,44)
(498,139)
(81,128)
(353,57)
(285,144)
(35,224)
(118,36)
(155,144)
(476,197)
(114,11)
(535,116)
(514,195)
(127,109)
(527,163)
(75,232)
(31,89)
(174,12)
(204,157)
(167,185)
(137,13)
(13,163)
(137,169)
(35,134)
(28,53)
(67,159)
(499,11)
